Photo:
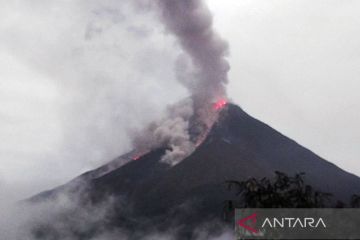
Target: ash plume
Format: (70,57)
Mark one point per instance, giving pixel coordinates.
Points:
(171,131)
(202,69)
(192,24)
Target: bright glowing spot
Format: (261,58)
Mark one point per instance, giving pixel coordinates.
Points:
(220,104)
(136,157)
(139,154)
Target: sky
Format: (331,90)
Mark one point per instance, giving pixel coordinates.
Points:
(78,77)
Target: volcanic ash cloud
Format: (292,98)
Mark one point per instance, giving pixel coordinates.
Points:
(190,21)
(202,68)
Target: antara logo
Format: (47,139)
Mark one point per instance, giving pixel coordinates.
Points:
(294,222)
(249,223)
(250,227)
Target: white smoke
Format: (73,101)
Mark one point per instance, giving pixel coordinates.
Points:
(67,217)
(63,216)
(172,132)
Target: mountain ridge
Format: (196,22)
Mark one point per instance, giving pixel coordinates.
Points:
(237,147)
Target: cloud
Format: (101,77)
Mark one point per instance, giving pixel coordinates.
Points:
(80,74)
(295,68)
(69,215)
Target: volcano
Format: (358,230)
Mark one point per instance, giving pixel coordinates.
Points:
(236,147)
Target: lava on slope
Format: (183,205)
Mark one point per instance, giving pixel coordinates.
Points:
(163,194)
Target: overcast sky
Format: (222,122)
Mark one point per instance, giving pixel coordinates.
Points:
(76,77)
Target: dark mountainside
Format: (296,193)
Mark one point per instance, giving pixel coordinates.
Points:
(237,147)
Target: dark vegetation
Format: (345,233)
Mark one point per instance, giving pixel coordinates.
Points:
(282,192)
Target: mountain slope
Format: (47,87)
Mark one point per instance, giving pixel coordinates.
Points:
(237,147)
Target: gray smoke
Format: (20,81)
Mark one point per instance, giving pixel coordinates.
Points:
(202,69)
(171,131)
(191,22)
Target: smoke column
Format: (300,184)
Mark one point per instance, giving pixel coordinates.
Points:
(202,69)
(191,22)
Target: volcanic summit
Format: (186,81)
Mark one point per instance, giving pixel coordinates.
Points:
(236,147)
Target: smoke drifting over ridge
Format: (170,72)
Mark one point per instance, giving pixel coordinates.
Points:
(191,22)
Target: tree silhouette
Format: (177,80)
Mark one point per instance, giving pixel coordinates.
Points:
(283,192)
(355,201)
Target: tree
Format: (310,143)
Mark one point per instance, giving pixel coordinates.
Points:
(355,201)
(283,192)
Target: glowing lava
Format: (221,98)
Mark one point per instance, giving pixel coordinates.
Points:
(220,104)
(139,154)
